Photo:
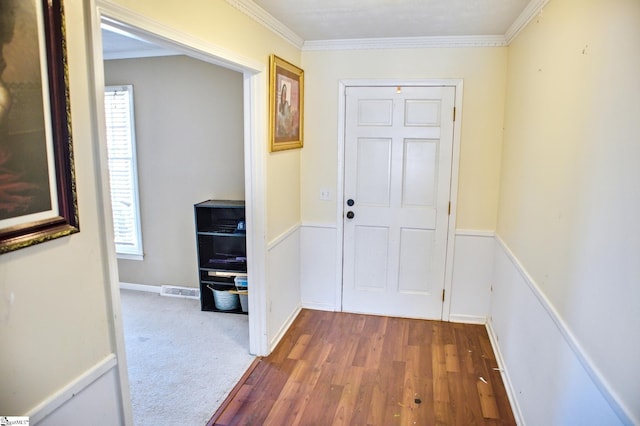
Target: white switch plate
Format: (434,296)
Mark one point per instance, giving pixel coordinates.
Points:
(325,194)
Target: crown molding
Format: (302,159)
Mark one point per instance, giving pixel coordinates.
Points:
(406,42)
(533,9)
(263,17)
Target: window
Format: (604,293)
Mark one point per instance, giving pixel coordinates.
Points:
(118,105)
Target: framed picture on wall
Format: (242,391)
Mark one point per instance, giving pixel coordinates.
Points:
(37,183)
(286,104)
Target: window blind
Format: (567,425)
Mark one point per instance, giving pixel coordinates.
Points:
(122,169)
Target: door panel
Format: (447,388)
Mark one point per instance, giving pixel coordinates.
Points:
(398,150)
(422,113)
(375,112)
(371,266)
(415,245)
(420,172)
(373,178)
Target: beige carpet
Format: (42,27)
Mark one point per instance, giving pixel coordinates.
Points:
(182,362)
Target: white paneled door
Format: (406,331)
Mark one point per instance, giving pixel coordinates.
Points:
(398,151)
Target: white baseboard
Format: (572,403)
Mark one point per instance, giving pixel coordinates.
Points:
(283,329)
(475,233)
(66,394)
(141,287)
(511,394)
(468,319)
(318,306)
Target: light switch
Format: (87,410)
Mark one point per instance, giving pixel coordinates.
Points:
(325,194)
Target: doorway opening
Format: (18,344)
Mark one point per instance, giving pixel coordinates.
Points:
(253,99)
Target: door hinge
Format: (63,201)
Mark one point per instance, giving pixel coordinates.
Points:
(443,295)
(454,113)
(449,213)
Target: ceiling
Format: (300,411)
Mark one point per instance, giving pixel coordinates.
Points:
(315,20)
(117,44)
(309,23)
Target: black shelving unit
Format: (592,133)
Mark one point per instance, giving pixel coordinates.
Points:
(222,248)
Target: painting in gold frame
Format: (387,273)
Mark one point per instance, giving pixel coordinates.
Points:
(286,104)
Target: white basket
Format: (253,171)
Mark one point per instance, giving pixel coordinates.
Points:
(225,300)
(244,301)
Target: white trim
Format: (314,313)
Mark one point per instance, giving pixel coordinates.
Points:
(623,412)
(475,233)
(263,17)
(406,42)
(129,256)
(467,319)
(455,166)
(58,399)
(140,287)
(319,225)
(342,98)
(511,393)
(533,9)
(255,132)
(431,82)
(96,69)
(283,329)
(319,306)
(282,237)
(453,197)
(133,250)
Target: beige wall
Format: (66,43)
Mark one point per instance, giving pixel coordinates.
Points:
(189,137)
(54,317)
(483,71)
(570,187)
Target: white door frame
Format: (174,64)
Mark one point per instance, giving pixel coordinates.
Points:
(255,132)
(451,231)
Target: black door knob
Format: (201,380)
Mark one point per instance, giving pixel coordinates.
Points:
(350,202)
(350,215)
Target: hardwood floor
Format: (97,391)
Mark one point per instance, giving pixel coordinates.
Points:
(335,368)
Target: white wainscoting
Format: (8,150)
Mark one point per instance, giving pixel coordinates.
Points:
(549,379)
(319,284)
(91,399)
(473,258)
(283,278)
(471,278)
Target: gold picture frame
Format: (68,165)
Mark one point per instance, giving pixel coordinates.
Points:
(286,105)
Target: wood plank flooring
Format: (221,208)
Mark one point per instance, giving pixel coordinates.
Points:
(334,368)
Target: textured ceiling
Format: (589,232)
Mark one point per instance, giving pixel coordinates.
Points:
(117,44)
(356,19)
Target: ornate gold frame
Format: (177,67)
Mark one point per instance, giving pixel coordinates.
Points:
(286,105)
